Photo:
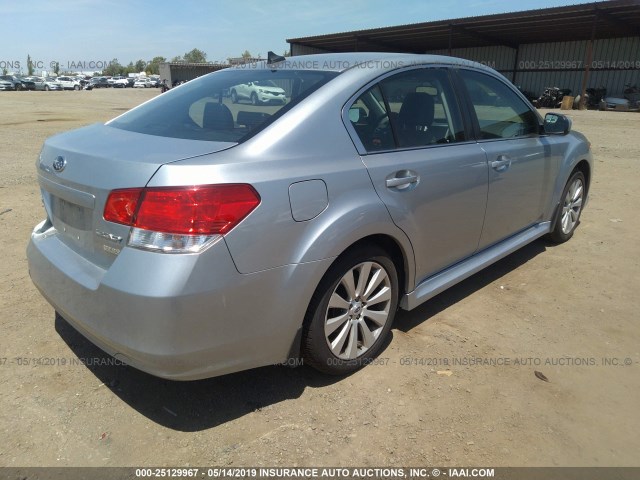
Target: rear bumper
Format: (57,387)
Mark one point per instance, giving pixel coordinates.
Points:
(181,317)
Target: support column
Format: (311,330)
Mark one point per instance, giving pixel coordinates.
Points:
(515,65)
(589,59)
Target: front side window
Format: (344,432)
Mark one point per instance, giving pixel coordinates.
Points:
(500,112)
(411,109)
(226,106)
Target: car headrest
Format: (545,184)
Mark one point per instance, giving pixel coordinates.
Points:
(217,116)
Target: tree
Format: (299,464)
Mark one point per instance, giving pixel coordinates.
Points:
(177,59)
(195,56)
(141,65)
(114,68)
(130,68)
(246,55)
(4,70)
(56,68)
(153,67)
(29,65)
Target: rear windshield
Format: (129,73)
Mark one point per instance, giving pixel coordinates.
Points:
(227,106)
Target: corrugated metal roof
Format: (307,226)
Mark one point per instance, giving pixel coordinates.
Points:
(612,19)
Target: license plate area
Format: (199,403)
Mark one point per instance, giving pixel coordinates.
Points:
(72,215)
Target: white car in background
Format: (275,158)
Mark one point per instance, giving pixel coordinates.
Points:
(120,82)
(142,83)
(69,83)
(258,92)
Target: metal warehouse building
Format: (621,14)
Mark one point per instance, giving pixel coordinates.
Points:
(174,72)
(577,47)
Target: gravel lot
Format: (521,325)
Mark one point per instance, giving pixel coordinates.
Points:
(568,311)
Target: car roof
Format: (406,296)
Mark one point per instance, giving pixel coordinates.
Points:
(340,62)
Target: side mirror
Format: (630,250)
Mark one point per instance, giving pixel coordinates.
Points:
(556,124)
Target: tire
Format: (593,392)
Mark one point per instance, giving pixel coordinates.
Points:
(570,208)
(254,99)
(76,87)
(46,88)
(234,96)
(342,317)
(19,87)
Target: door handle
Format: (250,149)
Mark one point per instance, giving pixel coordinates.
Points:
(401,182)
(501,164)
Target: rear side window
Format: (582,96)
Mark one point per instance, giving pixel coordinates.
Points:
(226,106)
(416,108)
(500,112)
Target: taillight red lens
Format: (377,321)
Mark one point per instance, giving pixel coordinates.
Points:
(121,205)
(195,210)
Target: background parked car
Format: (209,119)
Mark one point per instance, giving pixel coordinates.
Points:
(83,82)
(6,85)
(120,82)
(15,81)
(142,83)
(260,91)
(69,83)
(27,84)
(99,82)
(51,83)
(38,82)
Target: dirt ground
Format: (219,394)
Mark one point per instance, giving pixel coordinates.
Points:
(568,311)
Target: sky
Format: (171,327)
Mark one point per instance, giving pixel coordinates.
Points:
(84,31)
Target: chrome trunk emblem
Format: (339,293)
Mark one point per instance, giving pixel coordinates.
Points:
(59,163)
(109,236)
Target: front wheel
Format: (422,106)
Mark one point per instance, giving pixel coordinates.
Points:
(234,96)
(568,217)
(46,88)
(254,99)
(351,313)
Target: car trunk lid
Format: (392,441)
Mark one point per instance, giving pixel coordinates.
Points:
(78,169)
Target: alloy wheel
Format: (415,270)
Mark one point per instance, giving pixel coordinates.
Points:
(358,310)
(572,206)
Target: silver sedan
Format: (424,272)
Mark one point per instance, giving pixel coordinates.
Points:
(193,236)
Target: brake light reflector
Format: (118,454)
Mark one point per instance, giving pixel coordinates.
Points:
(179,219)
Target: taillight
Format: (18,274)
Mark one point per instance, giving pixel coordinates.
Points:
(180,219)
(121,205)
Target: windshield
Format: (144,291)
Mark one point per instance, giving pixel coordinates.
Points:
(224,106)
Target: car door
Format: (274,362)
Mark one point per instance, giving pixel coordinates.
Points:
(520,161)
(430,175)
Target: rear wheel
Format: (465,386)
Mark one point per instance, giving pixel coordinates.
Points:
(572,201)
(76,87)
(234,96)
(46,88)
(254,99)
(351,313)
